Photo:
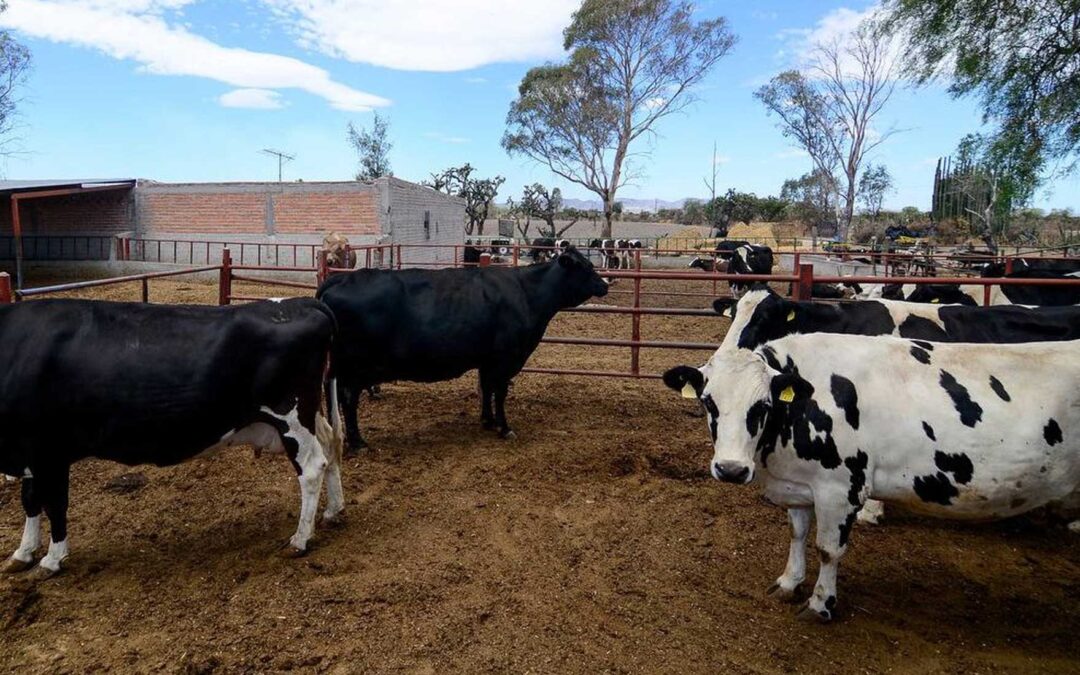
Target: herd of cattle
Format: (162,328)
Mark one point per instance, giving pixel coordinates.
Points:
(802,394)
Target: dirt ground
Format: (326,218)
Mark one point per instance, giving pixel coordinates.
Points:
(595,542)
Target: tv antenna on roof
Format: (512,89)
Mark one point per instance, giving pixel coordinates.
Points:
(282,157)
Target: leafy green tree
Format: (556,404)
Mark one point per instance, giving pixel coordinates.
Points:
(479,193)
(372,148)
(631,63)
(771,209)
(811,199)
(693,213)
(1020,58)
(14,67)
(875,183)
(538,202)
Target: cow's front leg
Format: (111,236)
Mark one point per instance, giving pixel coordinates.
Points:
(329,435)
(487,392)
(500,410)
(350,401)
(23,557)
(788,583)
(309,460)
(835,518)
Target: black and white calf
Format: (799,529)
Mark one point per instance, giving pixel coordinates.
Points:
(986,432)
(158,384)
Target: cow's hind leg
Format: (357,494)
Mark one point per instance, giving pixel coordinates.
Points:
(54,497)
(487,393)
(329,433)
(788,583)
(835,518)
(309,459)
(350,400)
(23,557)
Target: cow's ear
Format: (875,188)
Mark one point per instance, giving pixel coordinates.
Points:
(686,380)
(787,388)
(725,307)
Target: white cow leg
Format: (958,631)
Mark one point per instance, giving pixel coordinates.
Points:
(58,550)
(23,557)
(872,512)
(311,466)
(835,518)
(787,583)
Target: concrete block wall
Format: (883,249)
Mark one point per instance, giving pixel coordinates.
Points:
(407,207)
(100,213)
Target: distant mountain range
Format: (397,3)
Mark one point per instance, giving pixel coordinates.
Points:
(631,205)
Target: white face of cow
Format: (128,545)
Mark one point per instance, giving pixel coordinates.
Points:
(737,401)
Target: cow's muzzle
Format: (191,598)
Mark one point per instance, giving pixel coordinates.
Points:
(732,472)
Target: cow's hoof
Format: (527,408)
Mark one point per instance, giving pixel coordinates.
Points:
(289,551)
(15,566)
(334,521)
(507,434)
(40,573)
(808,613)
(1074,527)
(778,592)
(356,449)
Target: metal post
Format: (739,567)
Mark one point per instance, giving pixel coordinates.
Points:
(1008,266)
(515,255)
(485,259)
(5,289)
(986,295)
(398,256)
(16,228)
(145,290)
(225,278)
(804,286)
(635,319)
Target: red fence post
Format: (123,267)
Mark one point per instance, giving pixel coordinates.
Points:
(986,295)
(515,255)
(5,288)
(225,278)
(145,290)
(635,319)
(322,268)
(485,259)
(399,256)
(804,286)
(1009,266)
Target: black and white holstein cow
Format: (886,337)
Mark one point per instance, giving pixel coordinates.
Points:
(972,294)
(615,253)
(545,249)
(159,384)
(749,259)
(762,315)
(986,432)
(434,325)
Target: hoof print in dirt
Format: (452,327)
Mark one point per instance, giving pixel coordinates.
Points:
(13,566)
(126,483)
(781,594)
(811,615)
(40,573)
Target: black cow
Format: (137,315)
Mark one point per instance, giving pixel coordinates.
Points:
(547,248)
(1064,267)
(971,294)
(432,325)
(157,384)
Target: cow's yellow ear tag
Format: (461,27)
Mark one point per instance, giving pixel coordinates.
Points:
(688,391)
(935,301)
(791,315)
(788,395)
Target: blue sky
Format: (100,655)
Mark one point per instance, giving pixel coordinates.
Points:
(191,90)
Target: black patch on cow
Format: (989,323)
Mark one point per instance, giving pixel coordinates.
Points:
(921,355)
(714,413)
(1017,502)
(845,527)
(928,346)
(1052,432)
(922,328)
(999,389)
(830,603)
(846,398)
(936,489)
(958,464)
(929,431)
(970,411)
(770,357)
(857,466)
(812,436)
(756,417)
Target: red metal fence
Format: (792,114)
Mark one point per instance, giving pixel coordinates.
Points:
(395,256)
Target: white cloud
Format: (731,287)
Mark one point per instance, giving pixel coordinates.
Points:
(135,30)
(444,138)
(836,27)
(791,154)
(655,102)
(261,99)
(430,35)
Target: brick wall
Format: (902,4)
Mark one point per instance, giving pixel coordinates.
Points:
(265,209)
(99,213)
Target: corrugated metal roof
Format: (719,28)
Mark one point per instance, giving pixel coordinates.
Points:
(31,185)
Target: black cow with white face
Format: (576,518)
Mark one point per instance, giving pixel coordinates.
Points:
(749,259)
(433,325)
(987,432)
(157,384)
